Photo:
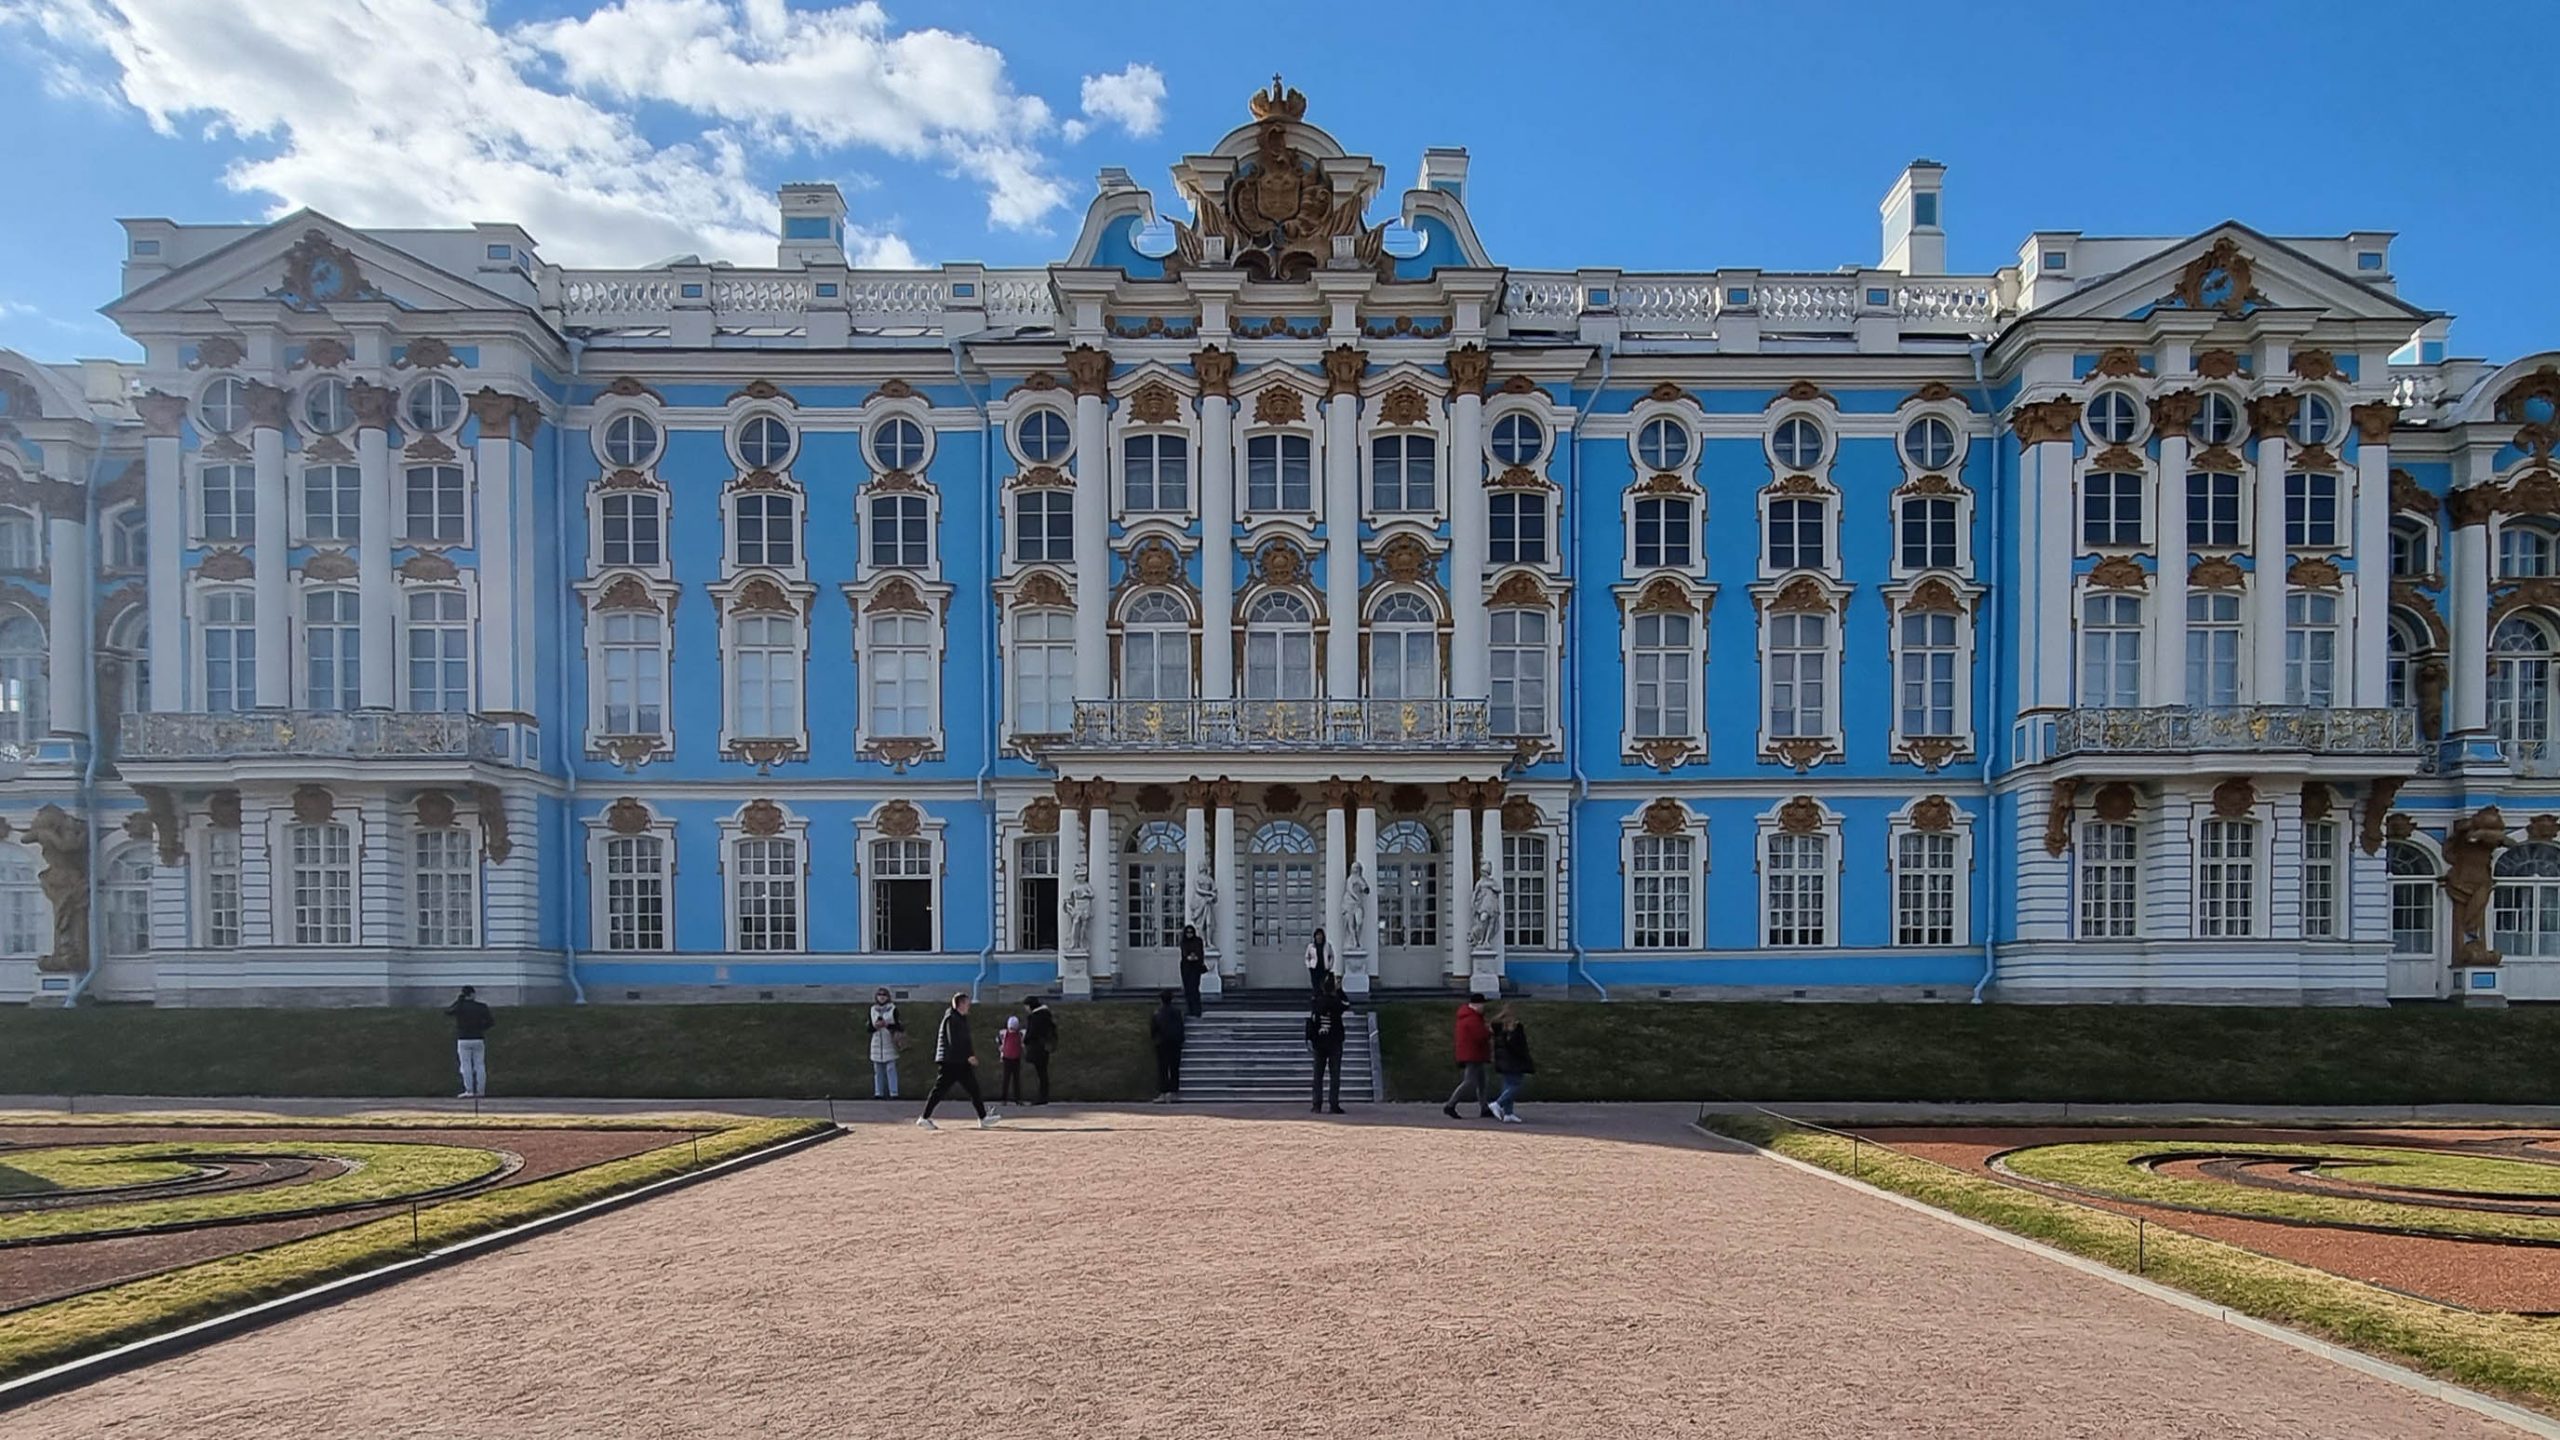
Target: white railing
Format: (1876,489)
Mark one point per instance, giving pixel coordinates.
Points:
(1541,297)
(894,300)
(1021,299)
(1677,304)
(1964,302)
(1690,305)
(1807,300)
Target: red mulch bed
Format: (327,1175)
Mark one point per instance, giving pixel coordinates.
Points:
(2476,1275)
(33,1274)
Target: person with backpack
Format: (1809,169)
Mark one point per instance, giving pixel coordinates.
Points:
(1511,1061)
(1009,1051)
(1039,1040)
(1474,1044)
(471,1025)
(956,1058)
(1325,1017)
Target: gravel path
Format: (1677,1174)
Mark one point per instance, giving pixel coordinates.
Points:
(1153,1273)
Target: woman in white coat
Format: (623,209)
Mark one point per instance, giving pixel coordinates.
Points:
(886,1035)
(1319,962)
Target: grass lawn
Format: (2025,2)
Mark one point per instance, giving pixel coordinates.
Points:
(2114,1168)
(2110,1054)
(2511,1355)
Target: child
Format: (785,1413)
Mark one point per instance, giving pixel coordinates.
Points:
(1009,1047)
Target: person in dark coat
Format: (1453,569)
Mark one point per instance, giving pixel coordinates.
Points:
(1511,1061)
(1039,1039)
(955,1058)
(471,1025)
(1325,1023)
(1474,1044)
(1195,963)
(1165,1029)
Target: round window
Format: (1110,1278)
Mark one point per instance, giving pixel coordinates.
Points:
(2217,419)
(897,443)
(1517,439)
(434,405)
(764,442)
(1663,445)
(2113,417)
(226,405)
(1930,442)
(1798,443)
(2314,422)
(324,406)
(630,439)
(1044,436)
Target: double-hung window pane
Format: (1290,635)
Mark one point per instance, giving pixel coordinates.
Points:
(1799,675)
(1519,672)
(635,680)
(1516,531)
(1928,533)
(2111,509)
(2226,879)
(1798,889)
(1279,473)
(901,659)
(1156,472)
(2311,510)
(631,530)
(1661,884)
(1662,677)
(635,894)
(1928,674)
(1044,526)
(445,881)
(435,504)
(2213,509)
(2213,648)
(898,531)
(1404,473)
(2111,640)
(768,893)
(1924,889)
(1662,534)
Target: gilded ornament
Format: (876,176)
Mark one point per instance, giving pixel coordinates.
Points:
(218,352)
(1469,368)
(2544,828)
(630,387)
(1934,392)
(426,353)
(627,479)
(2316,572)
(1521,589)
(2471,849)
(1043,477)
(1155,561)
(2374,421)
(626,592)
(1802,596)
(1155,404)
(2120,362)
(313,805)
(898,820)
(1520,813)
(1404,405)
(1933,485)
(1802,753)
(762,596)
(1800,816)
(1089,371)
(492,407)
(1039,380)
(371,404)
(1663,596)
(1519,477)
(1225,792)
(761,818)
(896,596)
(1933,813)
(2313,457)
(2234,798)
(2316,801)
(1798,485)
(1279,405)
(1404,559)
(2222,278)
(892,388)
(1279,563)
(434,809)
(326,352)
(1665,817)
(2221,459)
(1802,390)
(2172,413)
(761,389)
(2535,492)
(2118,457)
(2537,394)
(2044,421)
(2217,364)
(1282,800)
(2114,802)
(627,816)
(1214,369)
(1040,817)
(1929,752)
(329,449)
(1933,596)
(64,842)
(327,565)
(2472,505)
(2216,572)
(1665,753)
(162,413)
(268,406)
(428,447)
(227,563)
(165,821)
(2119,572)
(1042,590)
(2057,816)
(628,751)
(1343,369)
(2271,414)
(222,809)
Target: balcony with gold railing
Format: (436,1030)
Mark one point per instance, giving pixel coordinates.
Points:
(1283,725)
(2359,741)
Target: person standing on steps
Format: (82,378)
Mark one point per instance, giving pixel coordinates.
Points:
(1325,1024)
(1195,963)
(1165,1029)
(1511,1061)
(886,1036)
(1039,1038)
(1475,1052)
(955,1058)
(1319,962)
(471,1024)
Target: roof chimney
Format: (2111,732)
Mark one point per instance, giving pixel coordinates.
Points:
(1915,237)
(812,225)
(1445,170)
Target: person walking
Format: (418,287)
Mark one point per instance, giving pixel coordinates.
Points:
(1195,963)
(1039,1038)
(471,1024)
(955,1057)
(1511,1061)
(1009,1051)
(1324,1040)
(886,1036)
(1165,1029)
(1475,1052)
(1319,962)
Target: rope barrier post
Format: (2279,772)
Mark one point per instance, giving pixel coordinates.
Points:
(2141,1245)
(414,1242)
(831,1109)
(1854,1167)
(697,1150)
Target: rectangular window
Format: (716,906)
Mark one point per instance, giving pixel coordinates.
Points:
(1404,472)
(435,504)
(635,893)
(1795,534)
(1662,534)
(634,666)
(1519,673)
(632,535)
(1924,889)
(1035,893)
(2311,511)
(2213,647)
(332,650)
(902,895)
(439,638)
(446,881)
(1044,672)
(1799,876)
(901,688)
(2320,880)
(1044,524)
(2109,880)
(1517,528)
(1663,881)
(229,500)
(1156,472)
(1799,675)
(1662,677)
(898,536)
(1929,533)
(2413,903)
(222,889)
(767,660)
(2213,509)
(324,885)
(332,499)
(1928,674)
(230,640)
(1527,886)
(2111,509)
(2227,880)
(2311,649)
(767,886)
(2111,640)
(768,534)
(1279,473)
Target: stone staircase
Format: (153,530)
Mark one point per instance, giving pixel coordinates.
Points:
(1253,1054)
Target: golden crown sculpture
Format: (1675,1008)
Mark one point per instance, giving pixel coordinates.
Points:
(1278,104)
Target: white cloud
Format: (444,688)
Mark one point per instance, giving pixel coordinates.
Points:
(1131,98)
(419,112)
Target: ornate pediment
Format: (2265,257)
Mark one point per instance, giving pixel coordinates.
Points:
(1278,214)
(2222,278)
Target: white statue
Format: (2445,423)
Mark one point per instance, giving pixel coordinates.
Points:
(1079,911)
(1355,908)
(1204,904)
(1487,921)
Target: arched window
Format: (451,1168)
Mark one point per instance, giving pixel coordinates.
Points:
(225,405)
(128,649)
(897,443)
(1282,837)
(1155,472)
(1404,650)
(18,547)
(1518,439)
(2413,901)
(1044,436)
(2413,549)
(1929,443)
(26,921)
(1155,649)
(228,640)
(2524,906)
(2314,421)
(2404,641)
(1153,881)
(1408,886)
(1404,472)
(630,440)
(435,405)
(764,442)
(439,643)
(2525,551)
(332,649)
(1279,649)
(26,714)
(765,657)
(2112,417)
(1795,534)
(2520,655)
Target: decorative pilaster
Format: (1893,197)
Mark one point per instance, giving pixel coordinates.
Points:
(2373,548)
(2470,507)
(1075,890)
(1089,371)
(1469,646)
(2045,547)
(270,580)
(494,536)
(2167,683)
(527,426)
(377,682)
(1343,368)
(1215,370)
(67,618)
(165,519)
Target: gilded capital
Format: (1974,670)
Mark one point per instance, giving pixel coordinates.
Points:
(1089,371)
(371,404)
(2374,421)
(1215,369)
(494,409)
(266,406)
(162,412)
(1343,367)
(2044,420)
(1469,368)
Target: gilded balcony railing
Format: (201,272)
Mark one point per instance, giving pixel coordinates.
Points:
(1281,724)
(293,734)
(2186,729)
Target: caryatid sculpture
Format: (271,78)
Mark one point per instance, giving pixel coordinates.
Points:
(1203,913)
(1079,913)
(1355,908)
(1486,921)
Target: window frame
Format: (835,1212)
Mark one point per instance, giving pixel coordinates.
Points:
(459,925)
(467,626)
(2234,911)
(1679,856)
(448,481)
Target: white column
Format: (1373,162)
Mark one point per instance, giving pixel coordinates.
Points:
(494,537)
(1342,526)
(1364,852)
(2045,546)
(528,421)
(2373,557)
(1228,945)
(2168,680)
(1195,861)
(2470,604)
(1217,527)
(1489,858)
(1092,373)
(1469,651)
(2268,586)
(270,580)
(1329,912)
(1075,974)
(165,515)
(1099,862)
(377,684)
(1462,874)
(67,638)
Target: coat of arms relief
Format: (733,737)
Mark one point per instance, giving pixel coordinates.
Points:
(1280,215)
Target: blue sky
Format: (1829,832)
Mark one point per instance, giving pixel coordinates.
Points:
(1680,136)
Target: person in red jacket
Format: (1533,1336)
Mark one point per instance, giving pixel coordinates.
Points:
(1475,1052)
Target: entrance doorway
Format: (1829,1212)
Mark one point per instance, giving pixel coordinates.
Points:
(1411,945)
(1151,907)
(1283,880)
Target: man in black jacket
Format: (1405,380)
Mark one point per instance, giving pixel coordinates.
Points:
(471,1025)
(1039,1038)
(1165,1028)
(1195,964)
(955,1057)
(1324,1038)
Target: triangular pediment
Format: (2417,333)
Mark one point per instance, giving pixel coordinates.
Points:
(308,262)
(2229,270)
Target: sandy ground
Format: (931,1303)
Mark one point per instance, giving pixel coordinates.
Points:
(1187,1274)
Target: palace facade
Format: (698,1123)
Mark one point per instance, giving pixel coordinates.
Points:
(2151,618)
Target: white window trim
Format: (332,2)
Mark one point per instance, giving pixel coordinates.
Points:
(1010,608)
(2081,593)
(1009,497)
(2131,389)
(937,600)
(1553,838)
(880,487)
(929,829)
(400,626)
(2341,875)
(108,519)
(465,822)
(732,828)
(661,828)
(2150,529)
(1683,412)
(200,883)
(300,464)
(1185,425)
(601,416)
(199,532)
(1702,599)
(1901,823)
(738,490)
(1433,600)
(199,689)
(2247,649)
(665,568)
(724,597)
(1556,425)
(1118,623)
(1434,426)
(590,594)
(1959,420)
(1763,596)
(278,836)
(733,422)
(1552,735)
(299,628)
(2440,911)
(1969,597)
(402,463)
(1693,829)
(1767,826)
(2143,854)
(1962,498)
(1824,494)
(1826,419)
(1008,415)
(1545,498)
(1653,487)
(880,409)
(2261,870)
